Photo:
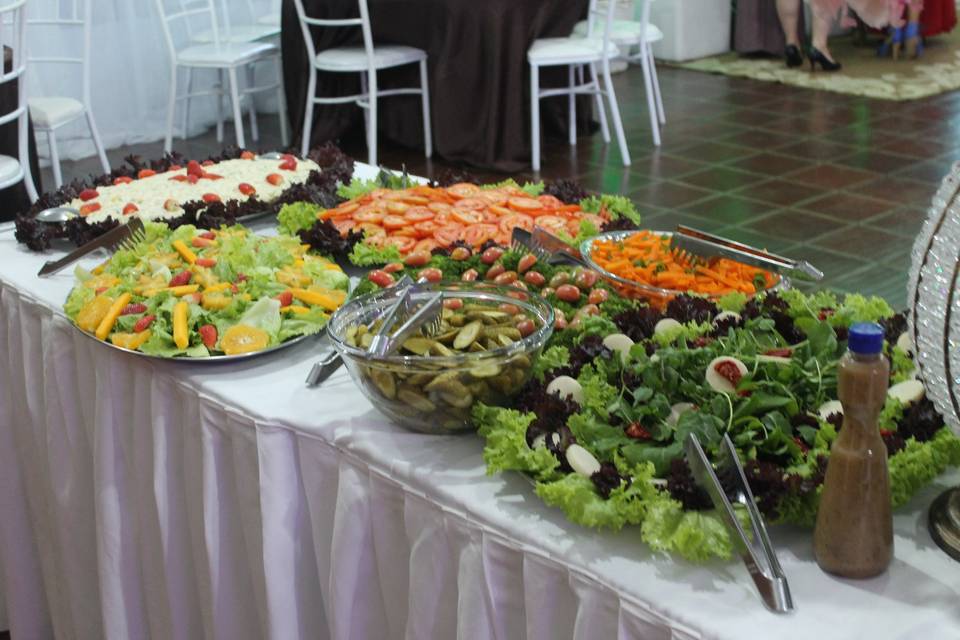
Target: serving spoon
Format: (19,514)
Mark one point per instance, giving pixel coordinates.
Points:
(56,215)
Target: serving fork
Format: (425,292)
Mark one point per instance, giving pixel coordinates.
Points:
(126,236)
(545,246)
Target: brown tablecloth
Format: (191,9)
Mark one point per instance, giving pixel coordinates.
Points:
(479,76)
(757,27)
(14,199)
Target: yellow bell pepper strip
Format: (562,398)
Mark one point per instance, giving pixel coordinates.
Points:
(329,301)
(181,334)
(295,308)
(184,251)
(220,286)
(184,289)
(106,325)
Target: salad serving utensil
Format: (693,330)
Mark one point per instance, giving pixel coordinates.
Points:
(545,246)
(125,236)
(700,244)
(756,551)
(56,215)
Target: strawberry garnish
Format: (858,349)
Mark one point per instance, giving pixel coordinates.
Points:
(728,370)
(285,298)
(247,155)
(193,178)
(179,178)
(146,173)
(89,208)
(143,323)
(803,445)
(208,334)
(194,168)
(100,290)
(246,188)
(209,235)
(274,179)
(211,176)
(825,313)
(180,279)
(130,208)
(211,197)
(288,165)
(206,262)
(637,432)
(783,352)
(88,194)
(122,180)
(130,309)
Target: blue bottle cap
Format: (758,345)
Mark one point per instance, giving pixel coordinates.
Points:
(865,338)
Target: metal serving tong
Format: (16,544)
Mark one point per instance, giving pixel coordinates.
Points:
(427,317)
(705,245)
(546,246)
(126,236)
(757,552)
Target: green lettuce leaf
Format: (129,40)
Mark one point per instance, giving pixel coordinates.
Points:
(264,314)
(576,497)
(532,189)
(901,365)
(616,206)
(920,462)
(302,324)
(552,358)
(364,255)
(506,448)
(77,299)
(695,535)
(296,216)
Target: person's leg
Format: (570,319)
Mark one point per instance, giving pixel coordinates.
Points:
(911,35)
(789,13)
(822,23)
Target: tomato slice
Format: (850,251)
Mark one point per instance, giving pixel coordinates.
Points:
(439,207)
(410,232)
(549,202)
(448,234)
(371,230)
(524,205)
(369,215)
(463,190)
(596,220)
(397,208)
(477,234)
(471,204)
(394,222)
(347,208)
(500,211)
(418,214)
(420,201)
(522,220)
(503,239)
(573,227)
(426,245)
(552,223)
(465,217)
(426,228)
(403,244)
(489,216)
(494,196)
(343,226)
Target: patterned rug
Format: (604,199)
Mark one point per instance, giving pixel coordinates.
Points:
(863,73)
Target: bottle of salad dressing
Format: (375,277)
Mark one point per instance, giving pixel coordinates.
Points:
(854,532)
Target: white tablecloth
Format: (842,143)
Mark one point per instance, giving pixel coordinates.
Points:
(143,499)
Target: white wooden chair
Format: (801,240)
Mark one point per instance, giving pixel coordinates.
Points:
(68,22)
(366,61)
(13,35)
(574,52)
(634,38)
(226,58)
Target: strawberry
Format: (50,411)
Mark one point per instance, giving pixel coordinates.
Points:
(206,262)
(196,298)
(209,235)
(246,188)
(285,298)
(288,165)
(241,277)
(200,243)
(136,307)
(825,313)
(211,197)
(194,168)
(174,167)
(122,180)
(146,173)
(193,178)
(247,155)
(208,333)
(89,208)
(171,205)
(100,290)
(180,279)
(234,288)
(143,323)
(211,176)
(274,178)
(784,352)
(88,194)
(207,163)
(130,208)
(179,178)
(637,432)
(728,370)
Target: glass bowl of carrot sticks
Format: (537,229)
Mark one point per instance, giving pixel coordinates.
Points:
(642,264)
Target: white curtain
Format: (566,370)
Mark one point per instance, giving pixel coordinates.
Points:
(130,74)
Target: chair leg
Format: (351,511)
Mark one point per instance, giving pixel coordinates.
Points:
(601,110)
(235,99)
(95,135)
(372,128)
(651,101)
(254,130)
(185,118)
(24,156)
(615,114)
(571,108)
(366,114)
(221,90)
(425,100)
(54,159)
(282,105)
(308,113)
(656,84)
(171,107)
(535,117)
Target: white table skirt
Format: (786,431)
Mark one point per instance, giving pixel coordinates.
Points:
(143,499)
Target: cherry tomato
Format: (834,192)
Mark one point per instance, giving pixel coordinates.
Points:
(506,307)
(130,208)
(146,173)
(597,296)
(494,271)
(393,267)
(417,259)
(559,278)
(285,298)
(430,274)
(568,293)
(507,277)
(526,327)
(460,253)
(535,278)
(526,262)
(469,275)
(453,304)
(491,255)
(587,310)
(380,278)
(246,188)
(586,278)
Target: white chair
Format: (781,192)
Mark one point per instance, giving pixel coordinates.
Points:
(629,35)
(13,35)
(573,52)
(271,17)
(67,22)
(366,61)
(223,57)
(236,28)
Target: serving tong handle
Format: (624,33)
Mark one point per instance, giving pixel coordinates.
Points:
(701,243)
(124,236)
(757,552)
(424,316)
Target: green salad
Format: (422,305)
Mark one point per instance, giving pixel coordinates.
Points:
(196,293)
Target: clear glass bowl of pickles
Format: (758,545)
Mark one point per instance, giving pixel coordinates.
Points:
(483,350)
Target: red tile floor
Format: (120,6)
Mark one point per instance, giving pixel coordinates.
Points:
(839,180)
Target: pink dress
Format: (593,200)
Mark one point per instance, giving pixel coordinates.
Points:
(875,13)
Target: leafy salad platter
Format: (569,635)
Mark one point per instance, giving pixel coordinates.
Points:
(206,294)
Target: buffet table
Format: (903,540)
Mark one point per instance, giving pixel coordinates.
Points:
(142,499)
(478,73)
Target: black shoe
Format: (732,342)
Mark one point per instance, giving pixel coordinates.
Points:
(793,55)
(816,57)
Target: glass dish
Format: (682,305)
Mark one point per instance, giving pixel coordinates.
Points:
(409,389)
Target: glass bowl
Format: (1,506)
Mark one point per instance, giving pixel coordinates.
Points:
(636,289)
(434,393)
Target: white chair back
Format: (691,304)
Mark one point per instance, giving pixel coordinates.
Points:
(69,23)
(600,21)
(362,21)
(13,36)
(179,17)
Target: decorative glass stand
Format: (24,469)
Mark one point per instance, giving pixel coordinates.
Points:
(933,297)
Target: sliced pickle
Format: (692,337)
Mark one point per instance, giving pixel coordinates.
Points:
(415,399)
(385,382)
(468,334)
(418,345)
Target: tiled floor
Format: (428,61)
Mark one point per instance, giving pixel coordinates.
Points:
(839,180)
